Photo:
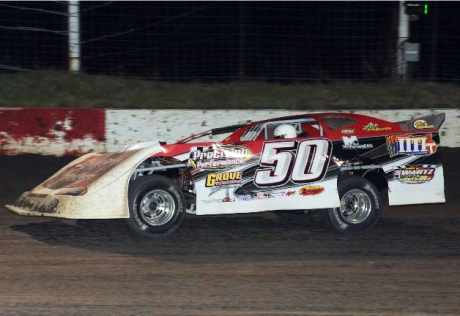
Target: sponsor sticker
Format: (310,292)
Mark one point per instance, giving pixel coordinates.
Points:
(224,178)
(245,197)
(351,142)
(262,195)
(422,124)
(311,190)
(265,195)
(224,200)
(268,195)
(227,198)
(422,145)
(348,131)
(414,174)
(374,127)
(215,157)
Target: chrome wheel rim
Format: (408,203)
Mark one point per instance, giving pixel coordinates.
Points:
(355,206)
(157,207)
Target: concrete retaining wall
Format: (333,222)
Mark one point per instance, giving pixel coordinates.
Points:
(51,131)
(77,131)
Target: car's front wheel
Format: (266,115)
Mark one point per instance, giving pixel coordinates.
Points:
(156,206)
(360,207)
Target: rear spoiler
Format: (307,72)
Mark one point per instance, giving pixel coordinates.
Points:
(430,121)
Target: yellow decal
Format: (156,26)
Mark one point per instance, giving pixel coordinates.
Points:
(422,124)
(311,190)
(373,127)
(225,178)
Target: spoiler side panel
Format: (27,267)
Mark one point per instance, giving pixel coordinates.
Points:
(426,122)
(417,177)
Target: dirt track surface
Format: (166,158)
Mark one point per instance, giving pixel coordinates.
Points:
(409,264)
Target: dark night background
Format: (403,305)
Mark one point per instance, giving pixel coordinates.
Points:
(275,41)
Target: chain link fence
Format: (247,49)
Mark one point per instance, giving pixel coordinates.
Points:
(285,42)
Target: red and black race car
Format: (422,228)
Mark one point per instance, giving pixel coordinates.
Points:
(345,166)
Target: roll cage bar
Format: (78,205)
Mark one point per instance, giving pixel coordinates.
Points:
(212,132)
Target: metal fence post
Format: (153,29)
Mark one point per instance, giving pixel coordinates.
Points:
(403,36)
(74,36)
(241,42)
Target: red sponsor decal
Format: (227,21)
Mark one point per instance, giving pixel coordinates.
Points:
(311,190)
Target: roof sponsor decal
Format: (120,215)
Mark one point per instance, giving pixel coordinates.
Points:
(348,131)
(373,127)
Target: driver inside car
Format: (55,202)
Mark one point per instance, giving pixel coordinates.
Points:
(285,131)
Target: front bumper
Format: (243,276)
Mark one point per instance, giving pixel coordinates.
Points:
(93,206)
(28,204)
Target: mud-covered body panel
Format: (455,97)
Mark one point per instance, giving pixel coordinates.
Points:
(105,177)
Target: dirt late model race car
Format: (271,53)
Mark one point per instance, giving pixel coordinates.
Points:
(342,165)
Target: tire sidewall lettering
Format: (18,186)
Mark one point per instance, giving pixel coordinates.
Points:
(333,218)
(339,219)
(138,190)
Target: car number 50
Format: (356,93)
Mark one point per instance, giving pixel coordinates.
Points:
(308,165)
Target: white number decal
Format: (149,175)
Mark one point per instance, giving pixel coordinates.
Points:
(309,164)
(311,160)
(279,161)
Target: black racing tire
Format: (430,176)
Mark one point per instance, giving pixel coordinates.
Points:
(156,206)
(360,207)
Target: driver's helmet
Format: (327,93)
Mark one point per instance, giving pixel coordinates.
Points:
(285,131)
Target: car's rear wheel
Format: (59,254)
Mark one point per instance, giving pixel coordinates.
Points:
(360,207)
(156,206)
